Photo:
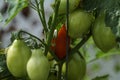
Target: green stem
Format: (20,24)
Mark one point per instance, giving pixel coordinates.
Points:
(53,25)
(60,70)
(41,16)
(21,31)
(79,45)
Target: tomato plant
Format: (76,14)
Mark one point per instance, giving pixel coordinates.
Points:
(66,54)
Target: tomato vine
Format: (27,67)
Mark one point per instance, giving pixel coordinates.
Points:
(87,8)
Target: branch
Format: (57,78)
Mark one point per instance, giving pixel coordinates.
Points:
(21,31)
(82,42)
(41,13)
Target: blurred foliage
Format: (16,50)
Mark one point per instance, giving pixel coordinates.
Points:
(117,67)
(14,7)
(105,77)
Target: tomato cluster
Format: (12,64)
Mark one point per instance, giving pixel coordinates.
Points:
(82,22)
(23,61)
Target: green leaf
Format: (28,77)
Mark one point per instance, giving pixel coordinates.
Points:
(15,6)
(112,9)
(105,77)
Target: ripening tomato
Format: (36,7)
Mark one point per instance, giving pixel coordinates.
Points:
(103,35)
(79,23)
(73,4)
(18,55)
(60,43)
(76,67)
(38,66)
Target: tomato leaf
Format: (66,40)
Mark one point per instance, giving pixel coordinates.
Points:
(14,7)
(112,9)
(4,72)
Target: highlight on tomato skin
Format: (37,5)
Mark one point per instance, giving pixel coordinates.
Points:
(59,43)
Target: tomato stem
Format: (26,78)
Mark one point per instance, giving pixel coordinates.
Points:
(81,43)
(55,57)
(41,13)
(67,46)
(60,69)
(53,25)
(21,31)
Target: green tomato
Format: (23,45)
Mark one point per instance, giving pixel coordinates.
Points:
(103,35)
(38,66)
(18,55)
(76,68)
(79,23)
(73,4)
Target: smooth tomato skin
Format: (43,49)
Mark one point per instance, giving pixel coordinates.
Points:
(79,23)
(76,68)
(103,35)
(38,66)
(18,55)
(73,4)
(60,43)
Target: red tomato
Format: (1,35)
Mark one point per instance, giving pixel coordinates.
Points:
(59,43)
